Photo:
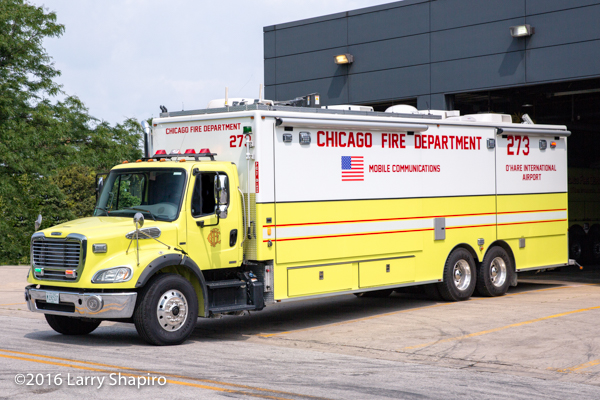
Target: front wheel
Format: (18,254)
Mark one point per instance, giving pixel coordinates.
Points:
(71,325)
(495,273)
(459,276)
(167,310)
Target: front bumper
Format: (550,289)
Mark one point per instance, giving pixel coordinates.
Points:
(79,304)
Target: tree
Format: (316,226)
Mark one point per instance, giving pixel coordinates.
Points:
(48,150)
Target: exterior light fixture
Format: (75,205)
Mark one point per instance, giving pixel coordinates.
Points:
(344,59)
(521,31)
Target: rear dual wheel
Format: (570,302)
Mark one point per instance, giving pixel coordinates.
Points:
(495,273)
(460,276)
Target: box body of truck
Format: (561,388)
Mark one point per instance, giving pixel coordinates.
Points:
(356,205)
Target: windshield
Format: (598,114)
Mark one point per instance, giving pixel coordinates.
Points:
(156,193)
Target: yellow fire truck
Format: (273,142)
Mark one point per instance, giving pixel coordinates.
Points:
(242,206)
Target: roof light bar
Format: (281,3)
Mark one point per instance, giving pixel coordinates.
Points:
(161,155)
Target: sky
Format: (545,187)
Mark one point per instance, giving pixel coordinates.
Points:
(125,58)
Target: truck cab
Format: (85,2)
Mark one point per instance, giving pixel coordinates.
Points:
(152,215)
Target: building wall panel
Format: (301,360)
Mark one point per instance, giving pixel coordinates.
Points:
(497,70)
(307,66)
(332,90)
(474,41)
(311,37)
(569,26)
(386,54)
(448,14)
(389,84)
(544,6)
(571,61)
(388,24)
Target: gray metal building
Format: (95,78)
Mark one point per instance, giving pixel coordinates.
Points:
(450,54)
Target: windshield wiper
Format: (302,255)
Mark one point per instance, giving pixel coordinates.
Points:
(103,209)
(139,209)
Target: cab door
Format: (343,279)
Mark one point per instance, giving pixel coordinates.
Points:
(212,241)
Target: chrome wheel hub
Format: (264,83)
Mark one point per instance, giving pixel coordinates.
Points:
(498,271)
(172,310)
(462,274)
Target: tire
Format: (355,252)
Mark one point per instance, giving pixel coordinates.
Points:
(166,311)
(375,293)
(72,325)
(576,244)
(594,244)
(460,276)
(495,273)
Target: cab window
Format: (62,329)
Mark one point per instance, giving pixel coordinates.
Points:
(203,197)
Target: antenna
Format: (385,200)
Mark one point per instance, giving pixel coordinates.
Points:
(226,96)
(260,87)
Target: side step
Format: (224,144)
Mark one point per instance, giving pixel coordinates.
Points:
(234,295)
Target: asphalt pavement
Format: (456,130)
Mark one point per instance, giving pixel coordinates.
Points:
(539,341)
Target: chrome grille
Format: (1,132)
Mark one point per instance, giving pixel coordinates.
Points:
(56,253)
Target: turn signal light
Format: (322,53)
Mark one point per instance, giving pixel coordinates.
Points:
(552,145)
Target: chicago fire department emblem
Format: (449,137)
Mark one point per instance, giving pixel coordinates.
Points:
(214,237)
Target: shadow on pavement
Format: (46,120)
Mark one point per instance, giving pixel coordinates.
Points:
(308,314)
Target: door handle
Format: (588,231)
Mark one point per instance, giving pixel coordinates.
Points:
(233,237)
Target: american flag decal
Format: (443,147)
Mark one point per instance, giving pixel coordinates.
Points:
(353,168)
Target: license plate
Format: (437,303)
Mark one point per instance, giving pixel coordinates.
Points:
(52,297)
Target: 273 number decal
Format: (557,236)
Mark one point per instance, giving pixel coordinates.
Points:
(522,145)
(233,139)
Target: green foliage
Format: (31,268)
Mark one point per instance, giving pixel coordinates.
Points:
(49,151)
(77,185)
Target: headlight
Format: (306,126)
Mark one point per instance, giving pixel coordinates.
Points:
(113,275)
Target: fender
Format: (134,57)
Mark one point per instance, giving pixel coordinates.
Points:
(171,260)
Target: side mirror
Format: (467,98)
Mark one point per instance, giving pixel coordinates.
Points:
(100,185)
(38,222)
(221,195)
(138,220)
